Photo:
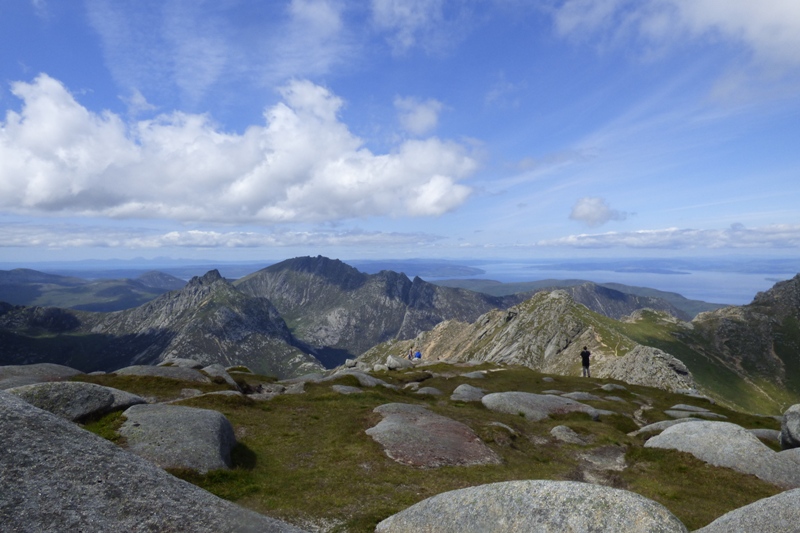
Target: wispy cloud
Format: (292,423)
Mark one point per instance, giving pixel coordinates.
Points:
(73,236)
(188,49)
(735,237)
(302,164)
(770,32)
(436,26)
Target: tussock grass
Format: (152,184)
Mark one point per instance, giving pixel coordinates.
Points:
(107,427)
(306,458)
(159,388)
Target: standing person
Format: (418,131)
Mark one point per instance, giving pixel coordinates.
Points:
(585,354)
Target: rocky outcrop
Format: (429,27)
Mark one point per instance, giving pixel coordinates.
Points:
(547,333)
(790,428)
(534,407)
(650,367)
(174,436)
(217,372)
(467,393)
(414,436)
(80,482)
(770,515)
(18,375)
(758,341)
(536,506)
(76,401)
(731,446)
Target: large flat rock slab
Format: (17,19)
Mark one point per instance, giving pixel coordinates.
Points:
(171,372)
(80,482)
(76,401)
(776,514)
(174,436)
(19,375)
(535,507)
(414,436)
(731,446)
(534,406)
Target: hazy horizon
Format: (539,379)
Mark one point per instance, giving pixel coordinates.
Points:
(729,281)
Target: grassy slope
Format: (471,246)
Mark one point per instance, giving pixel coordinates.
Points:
(714,375)
(306,458)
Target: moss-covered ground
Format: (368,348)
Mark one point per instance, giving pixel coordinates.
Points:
(306,458)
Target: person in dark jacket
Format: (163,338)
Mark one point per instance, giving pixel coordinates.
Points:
(585,354)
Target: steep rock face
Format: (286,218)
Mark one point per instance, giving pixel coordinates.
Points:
(208,320)
(546,333)
(651,367)
(761,340)
(337,308)
(616,304)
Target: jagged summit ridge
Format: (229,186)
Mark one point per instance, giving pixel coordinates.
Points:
(546,333)
(208,320)
(344,312)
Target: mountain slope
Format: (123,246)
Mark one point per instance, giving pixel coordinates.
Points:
(344,312)
(208,320)
(546,333)
(744,356)
(674,303)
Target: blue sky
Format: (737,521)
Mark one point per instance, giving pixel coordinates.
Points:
(243,129)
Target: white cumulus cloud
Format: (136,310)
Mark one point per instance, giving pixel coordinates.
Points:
(594,211)
(418,117)
(301,164)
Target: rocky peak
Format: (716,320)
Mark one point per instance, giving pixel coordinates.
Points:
(783,299)
(330,270)
(210,277)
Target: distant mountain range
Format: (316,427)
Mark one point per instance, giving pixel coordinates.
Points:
(678,305)
(307,313)
(30,287)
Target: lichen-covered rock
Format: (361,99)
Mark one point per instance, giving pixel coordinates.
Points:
(582,396)
(218,371)
(731,446)
(467,393)
(567,434)
(18,375)
(81,482)
(182,363)
(76,401)
(414,436)
(650,367)
(397,363)
(535,507)
(776,514)
(365,380)
(534,406)
(174,436)
(790,428)
(431,391)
